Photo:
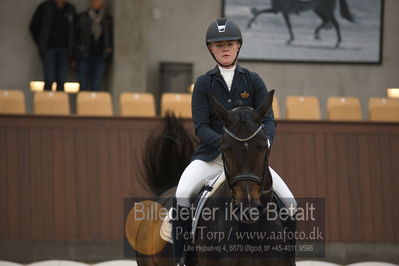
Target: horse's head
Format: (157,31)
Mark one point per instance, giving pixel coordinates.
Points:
(245,154)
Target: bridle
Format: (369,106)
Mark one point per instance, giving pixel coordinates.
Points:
(244,177)
(243,139)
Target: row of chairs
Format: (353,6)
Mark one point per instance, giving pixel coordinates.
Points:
(143,105)
(96,103)
(340,108)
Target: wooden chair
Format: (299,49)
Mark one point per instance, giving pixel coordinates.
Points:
(191,88)
(179,103)
(344,109)
(276,108)
(94,104)
(302,108)
(137,104)
(12,102)
(51,103)
(383,109)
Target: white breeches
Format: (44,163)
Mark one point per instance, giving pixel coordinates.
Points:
(197,172)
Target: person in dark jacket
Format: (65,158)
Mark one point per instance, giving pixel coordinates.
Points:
(229,83)
(52,29)
(93,45)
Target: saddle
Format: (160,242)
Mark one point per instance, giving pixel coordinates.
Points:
(211,185)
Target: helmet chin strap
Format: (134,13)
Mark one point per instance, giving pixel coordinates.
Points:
(225,66)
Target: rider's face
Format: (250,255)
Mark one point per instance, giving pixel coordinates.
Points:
(225,52)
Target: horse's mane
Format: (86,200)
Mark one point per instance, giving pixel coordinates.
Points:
(243,114)
(166,154)
(242,111)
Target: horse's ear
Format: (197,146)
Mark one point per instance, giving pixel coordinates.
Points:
(264,108)
(219,109)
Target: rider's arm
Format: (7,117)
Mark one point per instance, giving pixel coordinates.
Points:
(260,95)
(200,111)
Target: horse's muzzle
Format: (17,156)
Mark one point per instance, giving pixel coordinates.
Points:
(248,213)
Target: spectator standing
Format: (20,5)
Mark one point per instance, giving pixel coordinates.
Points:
(93,45)
(52,29)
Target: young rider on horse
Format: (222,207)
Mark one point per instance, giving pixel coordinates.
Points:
(229,83)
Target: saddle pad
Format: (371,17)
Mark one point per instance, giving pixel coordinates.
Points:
(211,186)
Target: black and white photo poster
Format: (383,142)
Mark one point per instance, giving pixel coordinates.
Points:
(339,31)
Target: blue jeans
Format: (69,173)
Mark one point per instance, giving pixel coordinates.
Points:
(90,73)
(55,66)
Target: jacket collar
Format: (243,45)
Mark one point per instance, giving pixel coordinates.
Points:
(216,70)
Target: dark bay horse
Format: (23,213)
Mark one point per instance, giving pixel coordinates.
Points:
(322,8)
(239,206)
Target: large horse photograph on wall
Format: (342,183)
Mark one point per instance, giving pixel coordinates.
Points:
(338,31)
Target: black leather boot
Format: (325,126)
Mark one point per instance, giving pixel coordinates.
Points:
(291,225)
(181,234)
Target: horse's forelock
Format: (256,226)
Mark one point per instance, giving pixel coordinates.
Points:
(243,117)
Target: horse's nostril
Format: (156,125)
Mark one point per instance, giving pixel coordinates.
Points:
(255,213)
(250,216)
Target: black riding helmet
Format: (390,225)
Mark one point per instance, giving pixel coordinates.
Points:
(223,29)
